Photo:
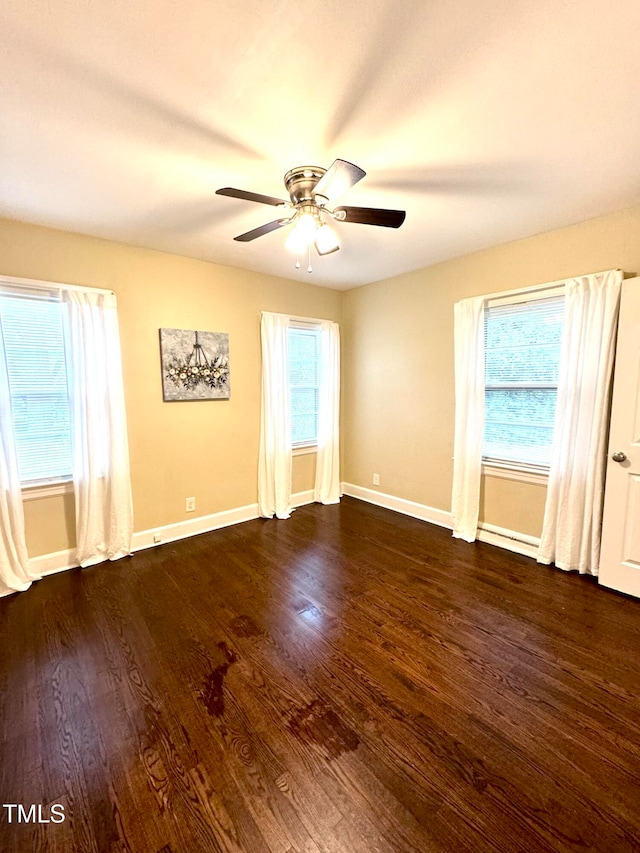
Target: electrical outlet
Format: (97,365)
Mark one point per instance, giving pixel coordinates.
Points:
(190,505)
(376,479)
(157,538)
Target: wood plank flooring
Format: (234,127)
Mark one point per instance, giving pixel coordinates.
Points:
(347,681)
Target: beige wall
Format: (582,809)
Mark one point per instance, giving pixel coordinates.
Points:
(398,403)
(207,449)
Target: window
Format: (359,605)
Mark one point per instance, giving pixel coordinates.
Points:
(34,346)
(522,352)
(304,381)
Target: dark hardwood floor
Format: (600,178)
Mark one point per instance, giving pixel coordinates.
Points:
(346,681)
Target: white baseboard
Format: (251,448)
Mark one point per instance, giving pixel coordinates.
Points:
(60,561)
(192,527)
(415,510)
(302,498)
(207,523)
(50,564)
(511,540)
(519,543)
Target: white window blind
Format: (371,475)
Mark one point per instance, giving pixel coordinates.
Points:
(34,349)
(304,355)
(522,352)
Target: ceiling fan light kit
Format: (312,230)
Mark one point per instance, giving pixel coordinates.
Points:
(311,189)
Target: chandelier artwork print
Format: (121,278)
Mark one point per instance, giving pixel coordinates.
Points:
(195,365)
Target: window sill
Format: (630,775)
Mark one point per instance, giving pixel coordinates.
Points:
(513,472)
(303,449)
(47,490)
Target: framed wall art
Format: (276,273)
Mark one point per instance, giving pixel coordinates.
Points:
(195,365)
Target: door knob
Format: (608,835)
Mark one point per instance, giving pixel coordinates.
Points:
(618,456)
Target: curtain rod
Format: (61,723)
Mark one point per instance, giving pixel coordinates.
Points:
(300,319)
(51,285)
(534,287)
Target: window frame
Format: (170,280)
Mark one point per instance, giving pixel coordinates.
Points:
(301,448)
(505,468)
(37,489)
(47,489)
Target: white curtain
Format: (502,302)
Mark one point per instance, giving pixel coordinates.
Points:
(102,484)
(327,485)
(274,462)
(573,509)
(469,416)
(15,573)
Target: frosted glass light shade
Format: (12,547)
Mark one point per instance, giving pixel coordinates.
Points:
(326,240)
(302,234)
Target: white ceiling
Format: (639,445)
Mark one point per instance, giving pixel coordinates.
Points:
(485,121)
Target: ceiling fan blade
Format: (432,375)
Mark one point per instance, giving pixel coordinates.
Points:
(371,216)
(339,177)
(263,229)
(247,196)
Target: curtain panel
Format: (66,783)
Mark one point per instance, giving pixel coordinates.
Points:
(101,478)
(469,416)
(327,483)
(274,460)
(15,571)
(573,509)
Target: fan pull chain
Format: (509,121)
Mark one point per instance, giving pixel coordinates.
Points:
(309,269)
(297,262)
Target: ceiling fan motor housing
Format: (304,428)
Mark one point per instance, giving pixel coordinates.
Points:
(301,181)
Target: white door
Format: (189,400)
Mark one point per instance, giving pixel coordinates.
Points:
(620,554)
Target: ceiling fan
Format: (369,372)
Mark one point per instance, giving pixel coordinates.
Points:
(311,190)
